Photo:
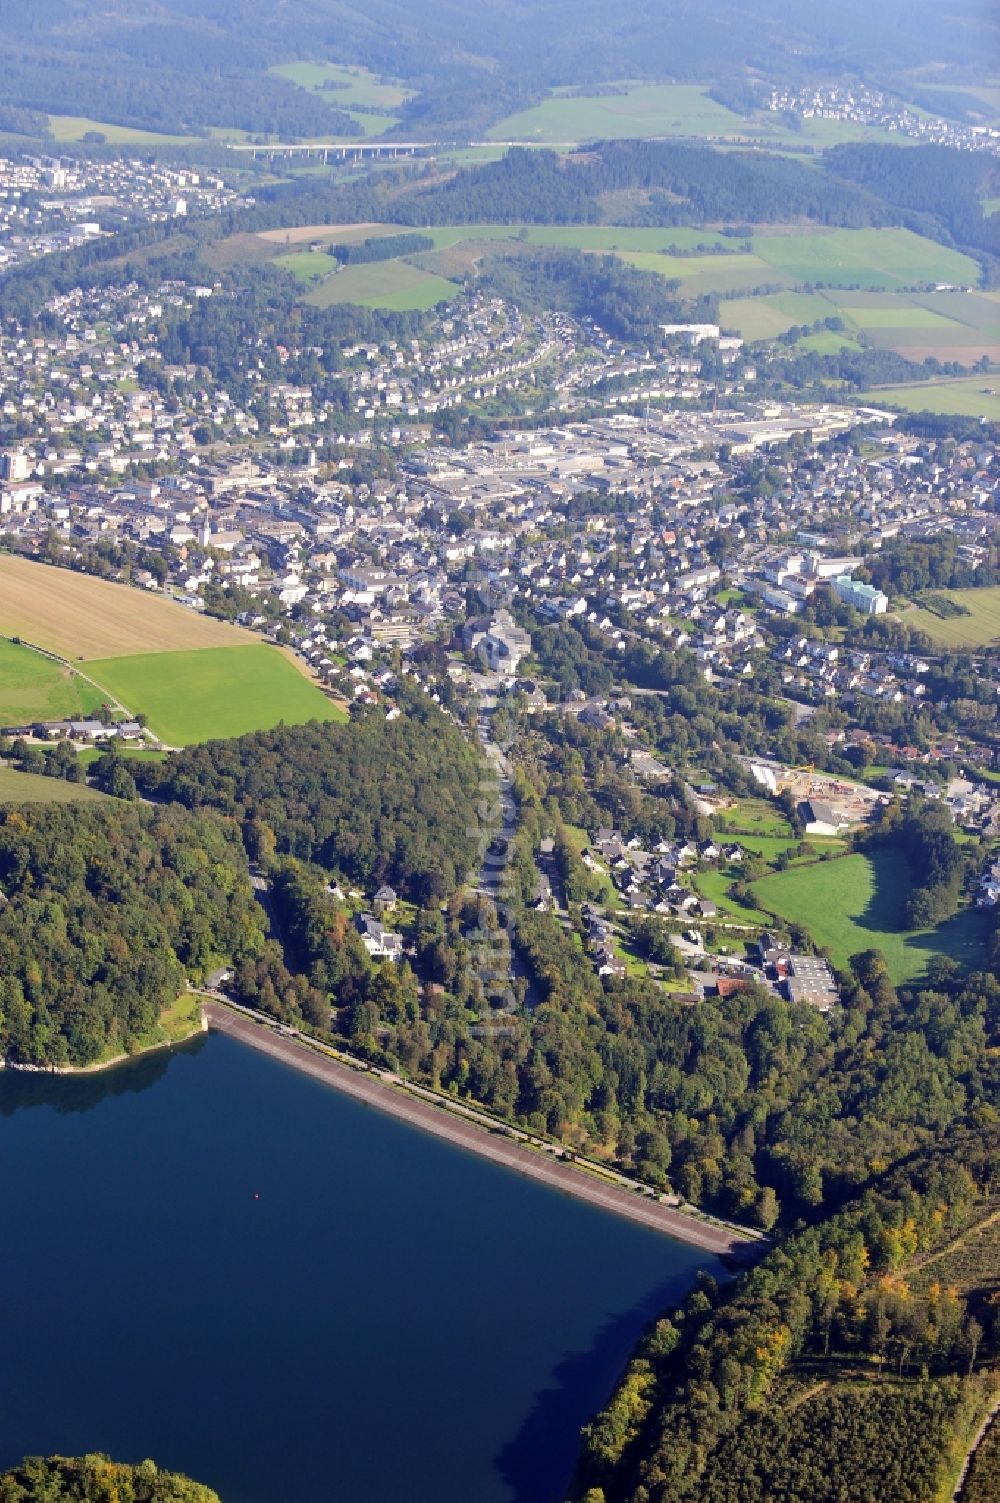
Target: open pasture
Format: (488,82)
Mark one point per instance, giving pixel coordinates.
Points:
(80,617)
(697,274)
(74,127)
(227,691)
(33,687)
(980,628)
(767,317)
(396,285)
(968,396)
(307,266)
(855,903)
(875,258)
(826,342)
(32,788)
(638,110)
(652,110)
(951,325)
(344,86)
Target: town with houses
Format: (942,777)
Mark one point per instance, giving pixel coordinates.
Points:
(862,105)
(52,203)
(650,496)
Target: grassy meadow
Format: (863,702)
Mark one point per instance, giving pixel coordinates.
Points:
(32,788)
(33,687)
(958,326)
(638,110)
(969,396)
(980,628)
(855,902)
(634,109)
(860,276)
(882,259)
(216,692)
(351,85)
(70,128)
(307,266)
(396,285)
(344,88)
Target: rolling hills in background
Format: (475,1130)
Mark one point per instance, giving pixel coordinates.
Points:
(193,64)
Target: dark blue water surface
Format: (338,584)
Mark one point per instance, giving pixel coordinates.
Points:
(212,1260)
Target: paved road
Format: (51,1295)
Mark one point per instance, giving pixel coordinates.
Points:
(398,1101)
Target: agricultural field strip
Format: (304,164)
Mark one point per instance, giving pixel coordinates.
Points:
(79,617)
(975,396)
(207,693)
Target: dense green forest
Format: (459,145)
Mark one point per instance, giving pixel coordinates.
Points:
(376,801)
(905,566)
(938,191)
(628,303)
(679,184)
(750,1105)
(96,1479)
(106,910)
(829,1372)
(381,248)
(935,860)
(983,1482)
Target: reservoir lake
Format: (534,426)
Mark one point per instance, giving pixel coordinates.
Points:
(215,1261)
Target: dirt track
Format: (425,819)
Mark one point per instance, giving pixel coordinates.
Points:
(444,1124)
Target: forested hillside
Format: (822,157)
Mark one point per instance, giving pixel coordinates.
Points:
(203,62)
(96,1479)
(677,184)
(376,801)
(105,911)
(832,1371)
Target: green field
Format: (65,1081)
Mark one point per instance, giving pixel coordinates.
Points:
(227,691)
(307,266)
(32,788)
(33,687)
(642,110)
(713,885)
(755,816)
(664,109)
(697,274)
(75,127)
(980,628)
(826,343)
(767,317)
(951,325)
(129,753)
(855,903)
(970,396)
(879,258)
(395,285)
(354,86)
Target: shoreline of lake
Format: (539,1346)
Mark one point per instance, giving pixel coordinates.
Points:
(494,1145)
(98,1067)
